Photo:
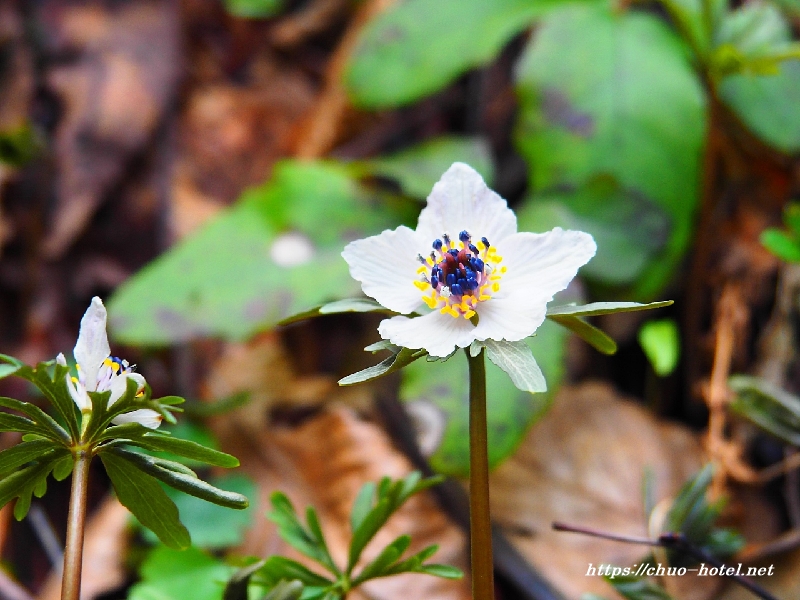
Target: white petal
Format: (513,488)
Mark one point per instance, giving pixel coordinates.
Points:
(119,384)
(92,347)
(61,360)
(541,264)
(79,395)
(508,319)
(437,333)
(386,265)
(143,416)
(460,201)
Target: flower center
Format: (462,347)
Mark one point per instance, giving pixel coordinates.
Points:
(458,275)
(111,367)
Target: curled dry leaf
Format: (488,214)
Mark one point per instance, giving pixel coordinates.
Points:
(584,464)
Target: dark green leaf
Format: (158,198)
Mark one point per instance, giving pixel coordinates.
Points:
(236,588)
(258,9)
(624,103)
(389,365)
(372,522)
(277,568)
(417,169)
(142,495)
(179,477)
(316,531)
(38,416)
(588,333)
(185,448)
(291,530)
(417,46)
(358,305)
(285,590)
(25,452)
(386,558)
(363,503)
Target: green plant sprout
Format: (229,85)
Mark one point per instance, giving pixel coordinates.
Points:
(484,297)
(104,411)
(375,504)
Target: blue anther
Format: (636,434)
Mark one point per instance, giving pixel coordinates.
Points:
(434,282)
(485,242)
(437,244)
(446,239)
(450,280)
(421,259)
(473,283)
(456,290)
(478,264)
(462,281)
(464,236)
(454,253)
(473,249)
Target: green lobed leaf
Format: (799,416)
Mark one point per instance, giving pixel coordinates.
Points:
(224,280)
(623,104)
(363,503)
(38,416)
(782,245)
(316,531)
(292,530)
(23,483)
(660,340)
(180,477)
(372,522)
(443,571)
(141,494)
(24,452)
(278,568)
(169,574)
(516,359)
(54,388)
(153,440)
(767,406)
(417,47)
(418,168)
(398,360)
(358,305)
(438,393)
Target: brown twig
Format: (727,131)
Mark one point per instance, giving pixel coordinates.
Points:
(670,541)
(321,129)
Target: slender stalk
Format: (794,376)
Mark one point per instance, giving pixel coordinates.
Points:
(480,525)
(76,521)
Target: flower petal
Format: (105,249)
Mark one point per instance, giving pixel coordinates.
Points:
(460,201)
(79,395)
(437,333)
(541,264)
(386,265)
(92,346)
(143,416)
(119,385)
(508,319)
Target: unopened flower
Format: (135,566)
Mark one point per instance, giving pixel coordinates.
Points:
(479,277)
(98,371)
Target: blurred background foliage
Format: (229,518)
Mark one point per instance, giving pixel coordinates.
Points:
(202,164)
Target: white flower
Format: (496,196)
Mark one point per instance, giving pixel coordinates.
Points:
(467,263)
(98,371)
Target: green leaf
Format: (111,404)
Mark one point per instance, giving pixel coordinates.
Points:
(398,360)
(634,588)
(603,308)
(212,526)
(661,343)
(19,144)
(588,333)
(254,9)
(516,359)
(623,104)
(181,478)
(372,522)
(444,571)
(417,169)
(224,280)
(387,556)
(54,388)
(439,393)
(769,407)
(316,531)
(25,452)
(277,568)
(417,47)
(285,590)
(358,305)
(768,105)
(142,495)
(782,245)
(154,440)
(28,480)
(363,503)
(292,530)
(38,416)
(629,228)
(177,575)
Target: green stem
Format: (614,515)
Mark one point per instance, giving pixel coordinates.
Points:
(76,522)
(480,524)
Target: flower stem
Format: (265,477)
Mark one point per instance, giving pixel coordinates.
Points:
(76,521)
(480,525)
